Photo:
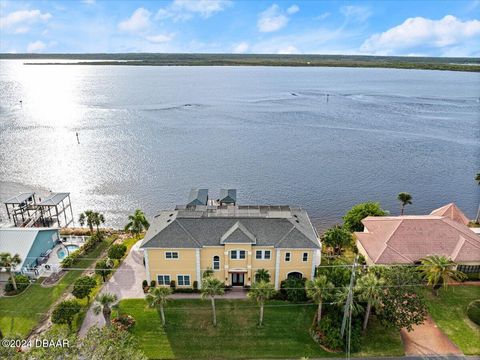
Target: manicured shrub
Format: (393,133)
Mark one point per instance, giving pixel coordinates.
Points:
(293,289)
(328,334)
(22,282)
(124,322)
(185,291)
(473,311)
(173,285)
(144,283)
(195,285)
(71,259)
(153,283)
(116,251)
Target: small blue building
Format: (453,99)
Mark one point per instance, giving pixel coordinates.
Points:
(32,244)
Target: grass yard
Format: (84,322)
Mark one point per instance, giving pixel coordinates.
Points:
(20,314)
(379,341)
(449,310)
(189,332)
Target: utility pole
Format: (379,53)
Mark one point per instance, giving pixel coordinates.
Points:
(347,310)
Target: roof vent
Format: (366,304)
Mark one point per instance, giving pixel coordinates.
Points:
(168,220)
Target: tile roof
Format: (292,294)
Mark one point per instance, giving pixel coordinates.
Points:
(197,228)
(453,212)
(406,239)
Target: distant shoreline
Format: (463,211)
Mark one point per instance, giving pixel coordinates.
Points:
(134,59)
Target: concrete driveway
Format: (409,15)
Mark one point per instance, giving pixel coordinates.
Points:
(126,283)
(428,339)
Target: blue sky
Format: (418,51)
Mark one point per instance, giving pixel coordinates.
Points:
(414,28)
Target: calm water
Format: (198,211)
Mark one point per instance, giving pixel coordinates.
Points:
(148,134)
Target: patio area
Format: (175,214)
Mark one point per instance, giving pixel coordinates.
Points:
(50,262)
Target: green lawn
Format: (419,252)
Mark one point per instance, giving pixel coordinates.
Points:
(20,314)
(449,310)
(190,334)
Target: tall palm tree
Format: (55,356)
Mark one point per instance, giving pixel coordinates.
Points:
(103,303)
(91,218)
(318,290)
(137,222)
(477,179)
(261,291)
(405,199)
(212,287)
(370,289)
(157,298)
(439,270)
(10,262)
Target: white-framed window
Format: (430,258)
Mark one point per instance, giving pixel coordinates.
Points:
(163,279)
(183,280)
(288,256)
(171,255)
(305,256)
(237,254)
(216,262)
(263,254)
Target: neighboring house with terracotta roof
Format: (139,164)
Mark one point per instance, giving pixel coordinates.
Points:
(406,239)
(453,212)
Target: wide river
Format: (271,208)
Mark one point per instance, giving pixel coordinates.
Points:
(321,138)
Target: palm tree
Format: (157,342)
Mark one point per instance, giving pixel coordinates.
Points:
(212,287)
(91,218)
(262,275)
(103,303)
(370,289)
(405,199)
(261,291)
(477,179)
(157,297)
(137,223)
(439,270)
(318,290)
(10,262)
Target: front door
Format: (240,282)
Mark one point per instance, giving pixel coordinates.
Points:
(237,279)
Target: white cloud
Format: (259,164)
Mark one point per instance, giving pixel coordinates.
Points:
(293,9)
(274,19)
(36,46)
(139,21)
(356,13)
(241,48)
(323,16)
(290,49)
(22,17)
(22,30)
(160,38)
(187,9)
(418,32)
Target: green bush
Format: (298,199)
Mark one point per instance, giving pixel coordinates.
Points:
(293,289)
(330,336)
(116,251)
(153,283)
(473,311)
(22,282)
(71,259)
(173,285)
(144,283)
(124,322)
(195,285)
(185,291)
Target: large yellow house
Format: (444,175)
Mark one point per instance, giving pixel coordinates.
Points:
(234,241)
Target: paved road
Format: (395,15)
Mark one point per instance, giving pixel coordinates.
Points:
(126,283)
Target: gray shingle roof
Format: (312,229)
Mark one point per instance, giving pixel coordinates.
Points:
(176,229)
